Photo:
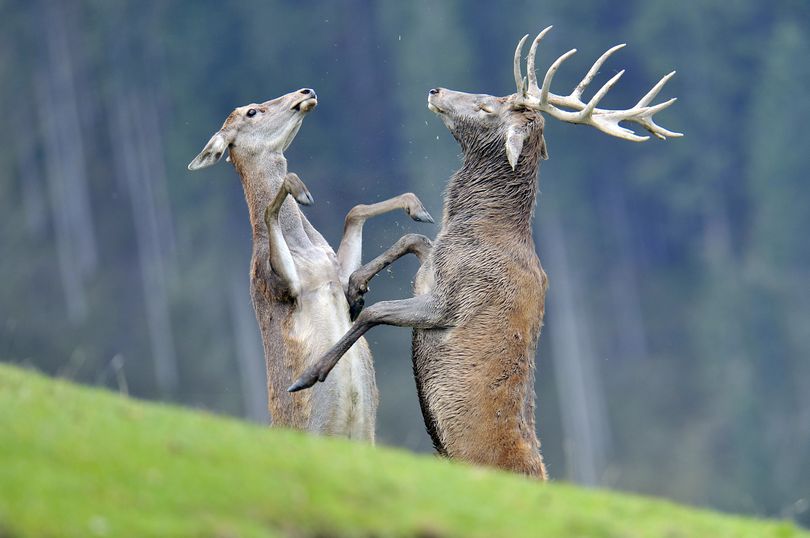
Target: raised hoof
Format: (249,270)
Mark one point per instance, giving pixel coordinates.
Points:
(415,208)
(356,307)
(298,190)
(305,198)
(422,216)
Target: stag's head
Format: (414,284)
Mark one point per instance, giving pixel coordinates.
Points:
(258,128)
(475,119)
(483,122)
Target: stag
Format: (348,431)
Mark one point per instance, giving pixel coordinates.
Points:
(479,295)
(297,283)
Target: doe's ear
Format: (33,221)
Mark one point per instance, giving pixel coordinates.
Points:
(514,144)
(211,153)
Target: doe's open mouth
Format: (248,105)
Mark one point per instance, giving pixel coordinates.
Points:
(306,105)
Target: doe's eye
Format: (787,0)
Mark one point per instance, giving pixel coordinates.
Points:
(251,112)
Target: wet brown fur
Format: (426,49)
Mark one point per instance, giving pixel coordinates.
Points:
(476,379)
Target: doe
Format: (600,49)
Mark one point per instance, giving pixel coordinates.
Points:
(297,282)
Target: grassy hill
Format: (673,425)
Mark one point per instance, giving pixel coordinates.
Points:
(83,462)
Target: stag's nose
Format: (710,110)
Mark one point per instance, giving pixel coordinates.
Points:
(308,91)
(434,91)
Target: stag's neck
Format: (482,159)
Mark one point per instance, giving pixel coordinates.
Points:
(485,194)
(262,176)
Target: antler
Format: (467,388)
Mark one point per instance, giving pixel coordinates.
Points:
(607,121)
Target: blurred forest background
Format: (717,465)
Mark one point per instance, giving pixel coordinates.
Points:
(675,359)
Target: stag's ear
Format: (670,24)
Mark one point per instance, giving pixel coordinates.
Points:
(211,153)
(514,144)
(543,150)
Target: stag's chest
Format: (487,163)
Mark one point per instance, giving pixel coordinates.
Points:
(478,259)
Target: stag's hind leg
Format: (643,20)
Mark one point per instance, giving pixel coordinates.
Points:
(281,260)
(416,244)
(350,251)
(421,312)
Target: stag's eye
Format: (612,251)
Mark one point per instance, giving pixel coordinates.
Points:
(251,112)
(486,108)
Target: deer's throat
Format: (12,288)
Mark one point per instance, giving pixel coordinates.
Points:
(261,179)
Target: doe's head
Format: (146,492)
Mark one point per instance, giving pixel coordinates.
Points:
(257,128)
(474,119)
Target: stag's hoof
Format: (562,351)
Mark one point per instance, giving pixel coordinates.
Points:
(304,382)
(356,306)
(354,295)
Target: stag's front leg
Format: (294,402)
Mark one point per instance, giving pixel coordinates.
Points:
(350,251)
(420,312)
(416,244)
(281,260)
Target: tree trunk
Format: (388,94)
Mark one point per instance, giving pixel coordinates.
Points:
(249,351)
(584,418)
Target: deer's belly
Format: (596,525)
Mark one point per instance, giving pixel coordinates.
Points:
(481,366)
(345,404)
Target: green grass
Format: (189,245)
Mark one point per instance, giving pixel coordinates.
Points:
(83,462)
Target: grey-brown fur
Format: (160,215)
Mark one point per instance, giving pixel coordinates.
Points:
(476,380)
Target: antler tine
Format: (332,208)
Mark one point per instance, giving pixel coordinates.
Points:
(612,127)
(608,121)
(577,93)
(591,106)
(646,120)
(649,111)
(550,75)
(647,99)
(518,74)
(660,132)
(530,71)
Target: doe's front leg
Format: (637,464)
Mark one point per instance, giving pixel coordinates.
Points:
(420,312)
(350,251)
(281,259)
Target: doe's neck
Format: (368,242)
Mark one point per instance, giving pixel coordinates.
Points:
(262,175)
